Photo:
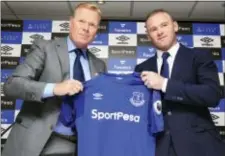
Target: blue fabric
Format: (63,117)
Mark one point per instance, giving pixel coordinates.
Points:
(115,115)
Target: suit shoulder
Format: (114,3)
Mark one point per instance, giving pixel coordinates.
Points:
(97,60)
(140,67)
(202,54)
(41,43)
(199,55)
(197,51)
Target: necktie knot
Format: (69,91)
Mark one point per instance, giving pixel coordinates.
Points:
(165,55)
(78,52)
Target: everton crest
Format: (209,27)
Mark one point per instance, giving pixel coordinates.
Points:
(137,99)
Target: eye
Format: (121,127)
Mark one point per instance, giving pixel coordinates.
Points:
(164,24)
(81,21)
(153,29)
(93,25)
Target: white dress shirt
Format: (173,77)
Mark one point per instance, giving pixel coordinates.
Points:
(173,52)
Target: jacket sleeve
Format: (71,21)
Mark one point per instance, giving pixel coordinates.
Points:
(206,92)
(23,83)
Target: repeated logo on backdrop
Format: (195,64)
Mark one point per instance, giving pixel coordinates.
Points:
(121,44)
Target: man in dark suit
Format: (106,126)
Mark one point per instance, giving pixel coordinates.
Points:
(189,84)
(52,69)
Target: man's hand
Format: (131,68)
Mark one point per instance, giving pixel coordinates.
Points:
(68,87)
(152,80)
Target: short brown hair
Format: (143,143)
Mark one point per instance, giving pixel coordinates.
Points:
(89,6)
(158,11)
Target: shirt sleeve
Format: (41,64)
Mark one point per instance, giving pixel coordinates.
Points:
(48,91)
(164,85)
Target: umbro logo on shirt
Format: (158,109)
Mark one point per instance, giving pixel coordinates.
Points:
(97,96)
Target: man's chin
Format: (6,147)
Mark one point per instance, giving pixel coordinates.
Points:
(82,44)
(162,47)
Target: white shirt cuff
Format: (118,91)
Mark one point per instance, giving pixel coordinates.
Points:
(164,85)
(48,91)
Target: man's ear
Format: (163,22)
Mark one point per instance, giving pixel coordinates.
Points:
(176,26)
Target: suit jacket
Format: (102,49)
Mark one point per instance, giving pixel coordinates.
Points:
(47,63)
(193,87)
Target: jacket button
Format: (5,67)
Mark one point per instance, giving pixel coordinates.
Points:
(169,113)
(52,127)
(167,132)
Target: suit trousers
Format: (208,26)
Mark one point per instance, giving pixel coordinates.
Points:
(57,146)
(171,151)
(164,139)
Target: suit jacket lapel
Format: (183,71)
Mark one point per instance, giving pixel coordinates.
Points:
(91,61)
(153,64)
(178,62)
(62,51)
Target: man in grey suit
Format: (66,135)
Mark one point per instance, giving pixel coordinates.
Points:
(46,75)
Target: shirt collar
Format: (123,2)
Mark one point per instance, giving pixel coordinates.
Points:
(172,51)
(71,47)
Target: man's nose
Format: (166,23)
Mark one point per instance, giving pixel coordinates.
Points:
(86,27)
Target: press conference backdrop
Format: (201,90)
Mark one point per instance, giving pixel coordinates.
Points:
(121,44)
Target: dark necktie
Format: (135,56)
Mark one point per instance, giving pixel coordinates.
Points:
(165,66)
(78,73)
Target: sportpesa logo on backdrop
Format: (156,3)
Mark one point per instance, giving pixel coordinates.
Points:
(142,40)
(9,62)
(223,42)
(185,28)
(216,52)
(103,27)
(7,103)
(122,51)
(12,25)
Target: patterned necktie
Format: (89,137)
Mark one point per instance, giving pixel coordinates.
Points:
(78,73)
(165,66)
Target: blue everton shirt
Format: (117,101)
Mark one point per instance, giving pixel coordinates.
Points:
(115,115)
